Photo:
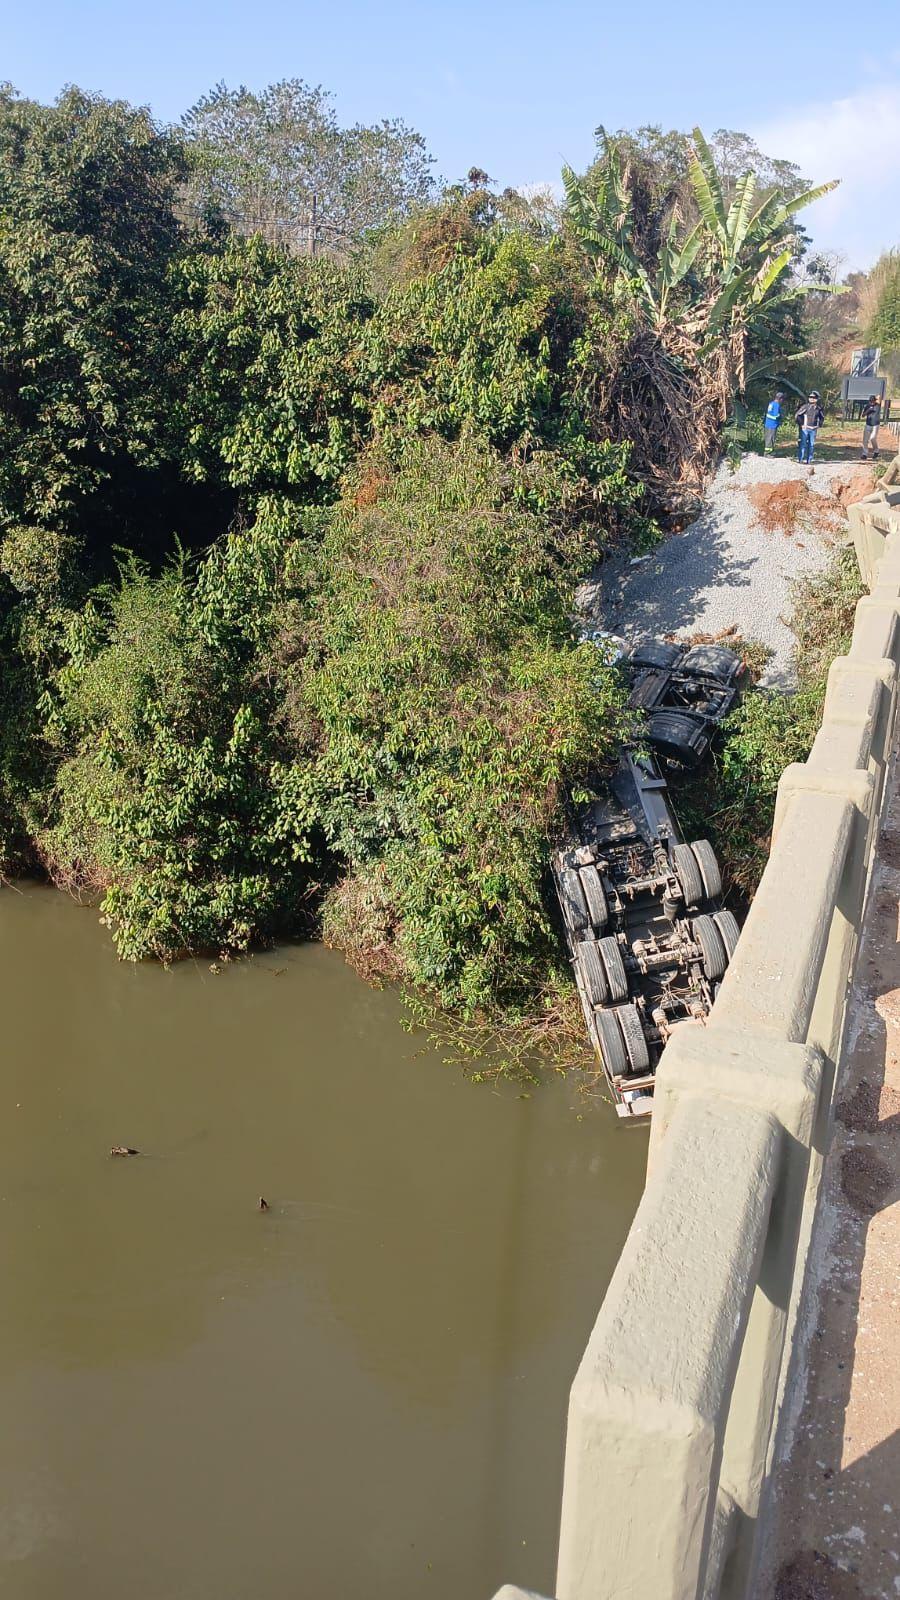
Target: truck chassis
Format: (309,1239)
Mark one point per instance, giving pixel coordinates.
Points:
(648,937)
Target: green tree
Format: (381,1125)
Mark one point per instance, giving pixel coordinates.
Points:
(885,325)
(171,795)
(87,232)
(436,671)
(272,386)
(277,163)
(506,340)
(710,292)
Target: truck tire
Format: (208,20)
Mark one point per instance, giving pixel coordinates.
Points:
(655,653)
(729,932)
(709,867)
(592,971)
(713,661)
(706,935)
(572,901)
(629,1020)
(612,1049)
(615,972)
(687,871)
(592,889)
(678,737)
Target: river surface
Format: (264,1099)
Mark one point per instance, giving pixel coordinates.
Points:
(358,1394)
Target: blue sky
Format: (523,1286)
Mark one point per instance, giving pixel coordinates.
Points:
(519,88)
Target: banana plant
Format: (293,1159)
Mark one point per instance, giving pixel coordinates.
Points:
(601,222)
(732,267)
(740,231)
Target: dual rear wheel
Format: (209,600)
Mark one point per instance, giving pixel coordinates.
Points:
(582,898)
(601,970)
(697,871)
(717,937)
(621,1038)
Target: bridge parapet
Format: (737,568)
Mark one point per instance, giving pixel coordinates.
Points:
(677,1408)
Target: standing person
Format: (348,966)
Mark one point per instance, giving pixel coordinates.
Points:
(772,423)
(871,419)
(809,419)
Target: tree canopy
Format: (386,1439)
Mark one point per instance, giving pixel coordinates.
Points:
(278,164)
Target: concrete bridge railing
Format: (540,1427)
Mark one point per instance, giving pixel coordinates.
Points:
(675,1410)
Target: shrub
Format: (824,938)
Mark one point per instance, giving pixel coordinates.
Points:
(269,350)
(452,706)
(172,796)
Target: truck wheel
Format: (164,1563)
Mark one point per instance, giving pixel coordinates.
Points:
(706,935)
(571,898)
(655,653)
(709,867)
(592,971)
(592,889)
(615,972)
(611,1047)
(677,737)
(629,1020)
(687,871)
(713,661)
(729,932)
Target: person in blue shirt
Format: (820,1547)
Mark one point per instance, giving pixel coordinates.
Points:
(772,422)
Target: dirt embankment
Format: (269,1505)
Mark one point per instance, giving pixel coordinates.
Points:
(764,525)
(811,502)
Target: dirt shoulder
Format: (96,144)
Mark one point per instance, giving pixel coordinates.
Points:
(837,1495)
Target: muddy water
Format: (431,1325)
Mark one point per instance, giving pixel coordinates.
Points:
(358,1393)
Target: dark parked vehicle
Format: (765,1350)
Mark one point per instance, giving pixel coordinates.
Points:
(642,909)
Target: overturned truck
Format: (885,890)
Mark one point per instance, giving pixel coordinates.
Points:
(647,933)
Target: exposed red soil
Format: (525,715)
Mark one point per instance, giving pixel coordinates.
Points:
(799,502)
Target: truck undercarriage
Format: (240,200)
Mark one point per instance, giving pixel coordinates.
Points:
(647,934)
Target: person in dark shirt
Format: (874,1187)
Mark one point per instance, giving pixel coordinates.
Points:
(809,418)
(871,420)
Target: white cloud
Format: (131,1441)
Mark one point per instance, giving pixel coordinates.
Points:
(854,139)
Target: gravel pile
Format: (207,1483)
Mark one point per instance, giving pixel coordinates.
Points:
(725,569)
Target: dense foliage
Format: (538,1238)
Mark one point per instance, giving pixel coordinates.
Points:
(341,696)
(884,328)
(289,536)
(87,233)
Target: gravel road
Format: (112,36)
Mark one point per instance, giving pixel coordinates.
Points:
(725,569)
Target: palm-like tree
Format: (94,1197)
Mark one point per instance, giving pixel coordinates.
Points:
(748,262)
(704,294)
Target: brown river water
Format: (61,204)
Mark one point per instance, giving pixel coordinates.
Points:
(357,1395)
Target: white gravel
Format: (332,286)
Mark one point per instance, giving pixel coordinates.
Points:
(724,570)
